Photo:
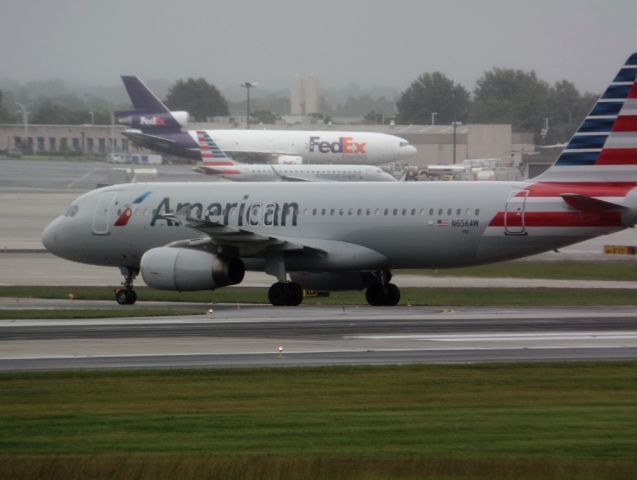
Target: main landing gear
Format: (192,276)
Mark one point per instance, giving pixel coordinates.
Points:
(126,295)
(383,293)
(285,293)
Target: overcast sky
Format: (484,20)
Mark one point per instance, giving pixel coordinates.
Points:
(373,42)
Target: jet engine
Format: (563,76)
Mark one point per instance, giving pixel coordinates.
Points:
(136,119)
(288,160)
(332,282)
(183,269)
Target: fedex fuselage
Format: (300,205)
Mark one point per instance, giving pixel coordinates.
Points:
(365,148)
(283,146)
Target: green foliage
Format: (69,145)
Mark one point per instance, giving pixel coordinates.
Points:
(199,98)
(433,93)
(49,111)
(377,118)
(264,116)
(511,96)
(4,114)
(525,101)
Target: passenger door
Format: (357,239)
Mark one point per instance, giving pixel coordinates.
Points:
(514,221)
(103,213)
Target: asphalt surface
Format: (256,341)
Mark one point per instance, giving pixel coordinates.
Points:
(251,336)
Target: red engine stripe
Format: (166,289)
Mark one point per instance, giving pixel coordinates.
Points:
(559,219)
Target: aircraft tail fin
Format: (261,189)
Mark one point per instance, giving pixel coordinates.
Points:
(150,114)
(211,154)
(604,147)
(143,99)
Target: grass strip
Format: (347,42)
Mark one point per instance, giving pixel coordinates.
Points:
(568,420)
(412,296)
(316,467)
(93,313)
(616,270)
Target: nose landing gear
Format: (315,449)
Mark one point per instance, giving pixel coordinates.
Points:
(126,295)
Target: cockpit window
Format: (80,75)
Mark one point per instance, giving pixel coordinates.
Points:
(71,211)
(404,144)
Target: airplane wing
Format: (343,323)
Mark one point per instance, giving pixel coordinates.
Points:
(208,170)
(142,138)
(288,178)
(316,253)
(245,241)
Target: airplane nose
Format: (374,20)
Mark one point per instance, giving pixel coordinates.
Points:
(49,236)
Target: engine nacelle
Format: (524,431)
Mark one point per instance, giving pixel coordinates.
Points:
(333,282)
(182,117)
(153,120)
(184,269)
(288,160)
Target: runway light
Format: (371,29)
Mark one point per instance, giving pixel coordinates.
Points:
(280,349)
(71,296)
(211,312)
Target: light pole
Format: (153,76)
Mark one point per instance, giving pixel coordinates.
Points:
(248,86)
(25,121)
(455,125)
(92,114)
(433,118)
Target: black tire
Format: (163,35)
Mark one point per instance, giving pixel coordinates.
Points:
(131,297)
(295,294)
(376,294)
(278,294)
(122,296)
(393,295)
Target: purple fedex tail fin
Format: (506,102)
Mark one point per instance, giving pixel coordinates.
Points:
(150,114)
(144,100)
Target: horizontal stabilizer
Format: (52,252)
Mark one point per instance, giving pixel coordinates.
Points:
(590,204)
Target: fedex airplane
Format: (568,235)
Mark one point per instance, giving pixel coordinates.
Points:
(215,162)
(155,127)
(349,236)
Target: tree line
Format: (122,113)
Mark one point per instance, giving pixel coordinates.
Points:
(500,96)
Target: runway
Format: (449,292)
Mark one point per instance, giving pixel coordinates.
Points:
(251,337)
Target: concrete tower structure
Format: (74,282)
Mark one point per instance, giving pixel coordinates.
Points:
(296,96)
(304,95)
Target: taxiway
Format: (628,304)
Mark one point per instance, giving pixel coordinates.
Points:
(258,336)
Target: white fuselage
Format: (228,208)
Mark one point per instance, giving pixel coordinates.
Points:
(405,225)
(361,148)
(241,172)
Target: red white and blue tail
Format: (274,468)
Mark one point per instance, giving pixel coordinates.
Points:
(211,154)
(604,148)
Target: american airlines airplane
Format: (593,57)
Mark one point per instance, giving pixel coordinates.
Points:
(215,162)
(155,127)
(349,236)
